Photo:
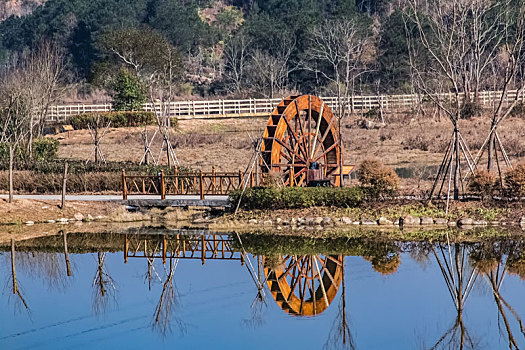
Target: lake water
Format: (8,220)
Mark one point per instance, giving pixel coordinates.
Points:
(193,290)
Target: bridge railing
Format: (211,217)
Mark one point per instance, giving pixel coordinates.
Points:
(201,183)
(263,107)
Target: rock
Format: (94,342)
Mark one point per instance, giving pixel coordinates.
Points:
(440,221)
(301,221)
(396,222)
(45,207)
(452,224)
(293,222)
(384,221)
(409,220)
(346,220)
(89,217)
(480,223)
(62,220)
(285,223)
(367,221)
(268,223)
(99,217)
(356,223)
(309,221)
(522,221)
(278,221)
(369,124)
(425,220)
(279,228)
(465,222)
(318,220)
(494,223)
(79,217)
(252,222)
(29,223)
(50,221)
(327,221)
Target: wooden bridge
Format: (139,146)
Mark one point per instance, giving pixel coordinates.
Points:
(200,183)
(263,107)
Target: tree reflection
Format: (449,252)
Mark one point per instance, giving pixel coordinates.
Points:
(104,287)
(460,278)
(494,265)
(340,336)
(168,301)
(259,304)
(14,280)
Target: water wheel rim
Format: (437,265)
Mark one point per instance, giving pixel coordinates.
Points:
(301,130)
(305,285)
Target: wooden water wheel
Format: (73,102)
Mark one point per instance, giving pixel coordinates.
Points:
(305,285)
(301,134)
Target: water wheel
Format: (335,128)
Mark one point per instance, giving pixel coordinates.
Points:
(302,133)
(305,285)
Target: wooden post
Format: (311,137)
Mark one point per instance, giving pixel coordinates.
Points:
(201,185)
(64,188)
(251,179)
(124,186)
(214,179)
(126,249)
(176,180)
(240,179)
(164,249)
(162,185)
(66,255)
(13,267)
(11,161)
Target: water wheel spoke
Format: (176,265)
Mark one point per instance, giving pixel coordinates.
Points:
(323,138)
(330,257)
(297,145)
(326,152)
(288,270)
(290,151)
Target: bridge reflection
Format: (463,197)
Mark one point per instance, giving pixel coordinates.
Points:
(180,246)
(303,285)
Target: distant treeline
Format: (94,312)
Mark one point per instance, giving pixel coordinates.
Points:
(207,34)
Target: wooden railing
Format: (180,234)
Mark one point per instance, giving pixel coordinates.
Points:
(263,107)
(201,183)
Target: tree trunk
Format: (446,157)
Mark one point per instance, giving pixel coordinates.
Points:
(11,161)
(491,150)
(456,170)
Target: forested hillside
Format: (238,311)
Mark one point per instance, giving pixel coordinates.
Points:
(239,47)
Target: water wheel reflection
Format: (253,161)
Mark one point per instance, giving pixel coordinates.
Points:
(305,285)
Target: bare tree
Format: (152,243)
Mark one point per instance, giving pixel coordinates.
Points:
(336,52)
(236,57)
(460,39)
(159,66)
(268,73)
(29,85)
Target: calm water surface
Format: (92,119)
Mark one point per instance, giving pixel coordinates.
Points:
(200,291)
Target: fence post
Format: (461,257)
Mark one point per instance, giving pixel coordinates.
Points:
(201,185)
(251,179)
(162,185)
(124,186)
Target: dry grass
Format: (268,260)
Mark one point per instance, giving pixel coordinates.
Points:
(407,141)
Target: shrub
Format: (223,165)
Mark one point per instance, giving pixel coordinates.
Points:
(483,183)
(129,94)
(518,110)
(45,149)
(470,109)
(376,179)
(297,197)
(515,180)
(118,119)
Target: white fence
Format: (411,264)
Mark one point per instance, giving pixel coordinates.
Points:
(263,107)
